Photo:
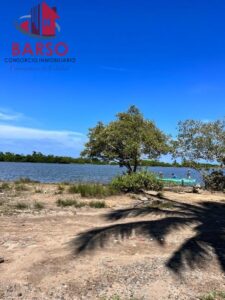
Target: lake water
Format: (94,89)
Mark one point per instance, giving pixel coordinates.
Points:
(77,173)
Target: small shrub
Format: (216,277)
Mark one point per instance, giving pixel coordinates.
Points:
(38,191)
(73,189)
(215,181)
(25,180)
(58,193)
(92,190)
(21,188)
(69,202)
(4,187)
(66,183)
(97,204)
(160,195)
(214,295)
(61,188)
(38,205)
(171,184)
(21,205)
(64,203)
(136,182)
(115,297)
(79,204)
(162,204)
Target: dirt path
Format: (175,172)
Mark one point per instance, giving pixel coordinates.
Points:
(41,263)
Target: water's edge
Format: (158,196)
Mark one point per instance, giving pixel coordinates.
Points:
(55,173)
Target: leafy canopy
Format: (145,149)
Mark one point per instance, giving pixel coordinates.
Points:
(126,140)
(201,140)
(137,182)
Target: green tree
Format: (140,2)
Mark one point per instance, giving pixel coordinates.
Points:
(199,140)
(126,140)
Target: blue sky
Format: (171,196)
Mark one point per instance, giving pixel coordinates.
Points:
(166,57)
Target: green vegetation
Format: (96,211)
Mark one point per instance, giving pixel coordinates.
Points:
(97,204)
(38,191)
(215,181)
(196,165)
(11,157)
(197,140)
(92,190)
(136,182)
(214,295)
(38,205)
(79,204)
(21,206)
(160,195)
(4,187)
(61,189)
(65,183)
(21,188)
(38,157)
(66,202)
(117,297)
(69,202)
(125,140)
(161,204)
(131,137)
(25,180)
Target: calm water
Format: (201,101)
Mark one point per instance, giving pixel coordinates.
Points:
(75,172)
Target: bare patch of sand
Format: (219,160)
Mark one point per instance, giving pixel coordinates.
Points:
(40,262)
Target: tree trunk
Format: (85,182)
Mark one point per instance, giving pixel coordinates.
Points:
(129,168)
(135,168)
(135,165)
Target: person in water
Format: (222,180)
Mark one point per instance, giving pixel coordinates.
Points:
(189,174)
(174,176)
(160,174)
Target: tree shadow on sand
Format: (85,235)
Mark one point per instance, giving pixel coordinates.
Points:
(207,220)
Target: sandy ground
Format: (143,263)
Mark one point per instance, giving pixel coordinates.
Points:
(41,261)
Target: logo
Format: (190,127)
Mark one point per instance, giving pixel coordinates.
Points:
(40,23)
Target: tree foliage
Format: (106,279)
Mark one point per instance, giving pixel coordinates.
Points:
(137,182)
(38,157)
(126,140)
(215,181)
(199,140)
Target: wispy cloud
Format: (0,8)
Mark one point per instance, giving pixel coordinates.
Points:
(29,139)
(7,116)
(14,132)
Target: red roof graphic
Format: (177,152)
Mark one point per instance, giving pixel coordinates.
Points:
(42,21)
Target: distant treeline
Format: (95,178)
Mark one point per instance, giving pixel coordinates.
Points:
(184,164)
(38,157)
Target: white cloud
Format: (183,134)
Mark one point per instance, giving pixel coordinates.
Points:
(15,138)
(4,116)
